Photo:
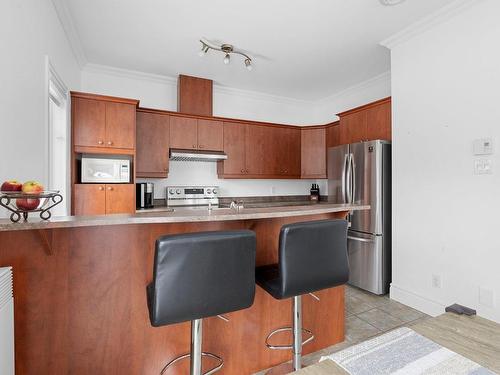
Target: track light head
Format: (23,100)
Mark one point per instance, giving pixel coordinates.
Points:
(227,59)
(248,64)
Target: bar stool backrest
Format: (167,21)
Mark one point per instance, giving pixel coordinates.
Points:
(313,256)
(198,275)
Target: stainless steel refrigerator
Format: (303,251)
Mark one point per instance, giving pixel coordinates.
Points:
(361,173)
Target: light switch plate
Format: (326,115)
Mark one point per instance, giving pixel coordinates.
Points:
(483,166)
(483,146)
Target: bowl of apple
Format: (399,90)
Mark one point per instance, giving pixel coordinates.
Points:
(30,197)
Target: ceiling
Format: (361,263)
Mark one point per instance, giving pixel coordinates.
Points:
(307,49)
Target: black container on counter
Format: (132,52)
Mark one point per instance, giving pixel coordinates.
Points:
(314,193)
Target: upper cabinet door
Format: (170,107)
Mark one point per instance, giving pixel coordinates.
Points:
(183,133)
(333,136)
(234,147)
(210,135)
(89,122)
(288,142)
(120,125)
(353,127)
(379,122)
(262,150)
(313,153)
(153,134)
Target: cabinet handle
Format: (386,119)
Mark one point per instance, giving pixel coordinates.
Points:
(200,146)
(101,188)
(166,170)
(242,171)
(194,146)
(246,170)
(110,143)
(100,142)
(110,188)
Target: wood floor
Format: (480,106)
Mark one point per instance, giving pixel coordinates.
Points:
(472,337)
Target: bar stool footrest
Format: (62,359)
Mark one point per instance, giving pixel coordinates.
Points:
(220,362)
(287,347)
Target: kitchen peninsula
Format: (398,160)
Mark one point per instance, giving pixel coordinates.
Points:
(80,287)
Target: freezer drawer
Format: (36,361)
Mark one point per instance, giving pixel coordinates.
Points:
(369,264)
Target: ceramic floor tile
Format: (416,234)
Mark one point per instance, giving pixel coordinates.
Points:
(358,330)
(380,319)
(400,311)
(355,305)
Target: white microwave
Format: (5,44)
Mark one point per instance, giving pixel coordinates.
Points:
(96,170)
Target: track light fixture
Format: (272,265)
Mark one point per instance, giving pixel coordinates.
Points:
(227,49)
(391,2)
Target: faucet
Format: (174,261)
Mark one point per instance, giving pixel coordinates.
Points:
(236,205)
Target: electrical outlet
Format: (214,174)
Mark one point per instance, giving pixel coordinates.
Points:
(436,281)
(486,297)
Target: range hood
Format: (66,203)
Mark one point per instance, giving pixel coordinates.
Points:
(193,155)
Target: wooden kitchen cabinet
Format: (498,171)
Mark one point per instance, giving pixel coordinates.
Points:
(366,123)
(89,199)
(235,148)
(210,135)
(120,125)
(333,135)
(101,199)
(120,198)
(353,128)
(196,134)
(313,153)
(378,119)
(89,122)
(288,144)
(261,150)
(103,122)
(153,142)
(183,133)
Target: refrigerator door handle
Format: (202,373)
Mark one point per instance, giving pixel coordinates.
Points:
(360,239)
(344,179)
(353,179)
(349,179)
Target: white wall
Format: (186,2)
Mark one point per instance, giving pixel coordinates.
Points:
(445,94)
(379,87)
(29,30)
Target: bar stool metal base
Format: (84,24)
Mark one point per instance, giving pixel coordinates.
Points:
(297,331)
(196,354)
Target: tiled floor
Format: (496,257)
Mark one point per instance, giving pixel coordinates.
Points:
(368,315)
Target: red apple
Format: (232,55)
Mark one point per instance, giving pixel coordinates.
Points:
(11,185)
(32,187)
(28,204)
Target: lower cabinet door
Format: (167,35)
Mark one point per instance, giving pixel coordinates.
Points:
(89,199)
(120,198)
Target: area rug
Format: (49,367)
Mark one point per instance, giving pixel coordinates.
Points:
(404,352)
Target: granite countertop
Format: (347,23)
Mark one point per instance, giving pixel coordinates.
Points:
(181,215)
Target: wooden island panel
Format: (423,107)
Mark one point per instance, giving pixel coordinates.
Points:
(83,309)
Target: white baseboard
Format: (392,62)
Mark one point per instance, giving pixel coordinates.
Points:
(416,301)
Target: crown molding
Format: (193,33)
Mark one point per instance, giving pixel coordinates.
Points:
(442,15)
(127,73)
(157,78)
(69,28)
(374,81)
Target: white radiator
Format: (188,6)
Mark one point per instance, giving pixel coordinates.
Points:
(6,322)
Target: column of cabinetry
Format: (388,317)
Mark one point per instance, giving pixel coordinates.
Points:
(102,126)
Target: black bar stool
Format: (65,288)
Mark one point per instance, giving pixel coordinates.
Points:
(199,275)
(312,256)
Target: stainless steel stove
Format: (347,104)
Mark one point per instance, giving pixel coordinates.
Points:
(194,196)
